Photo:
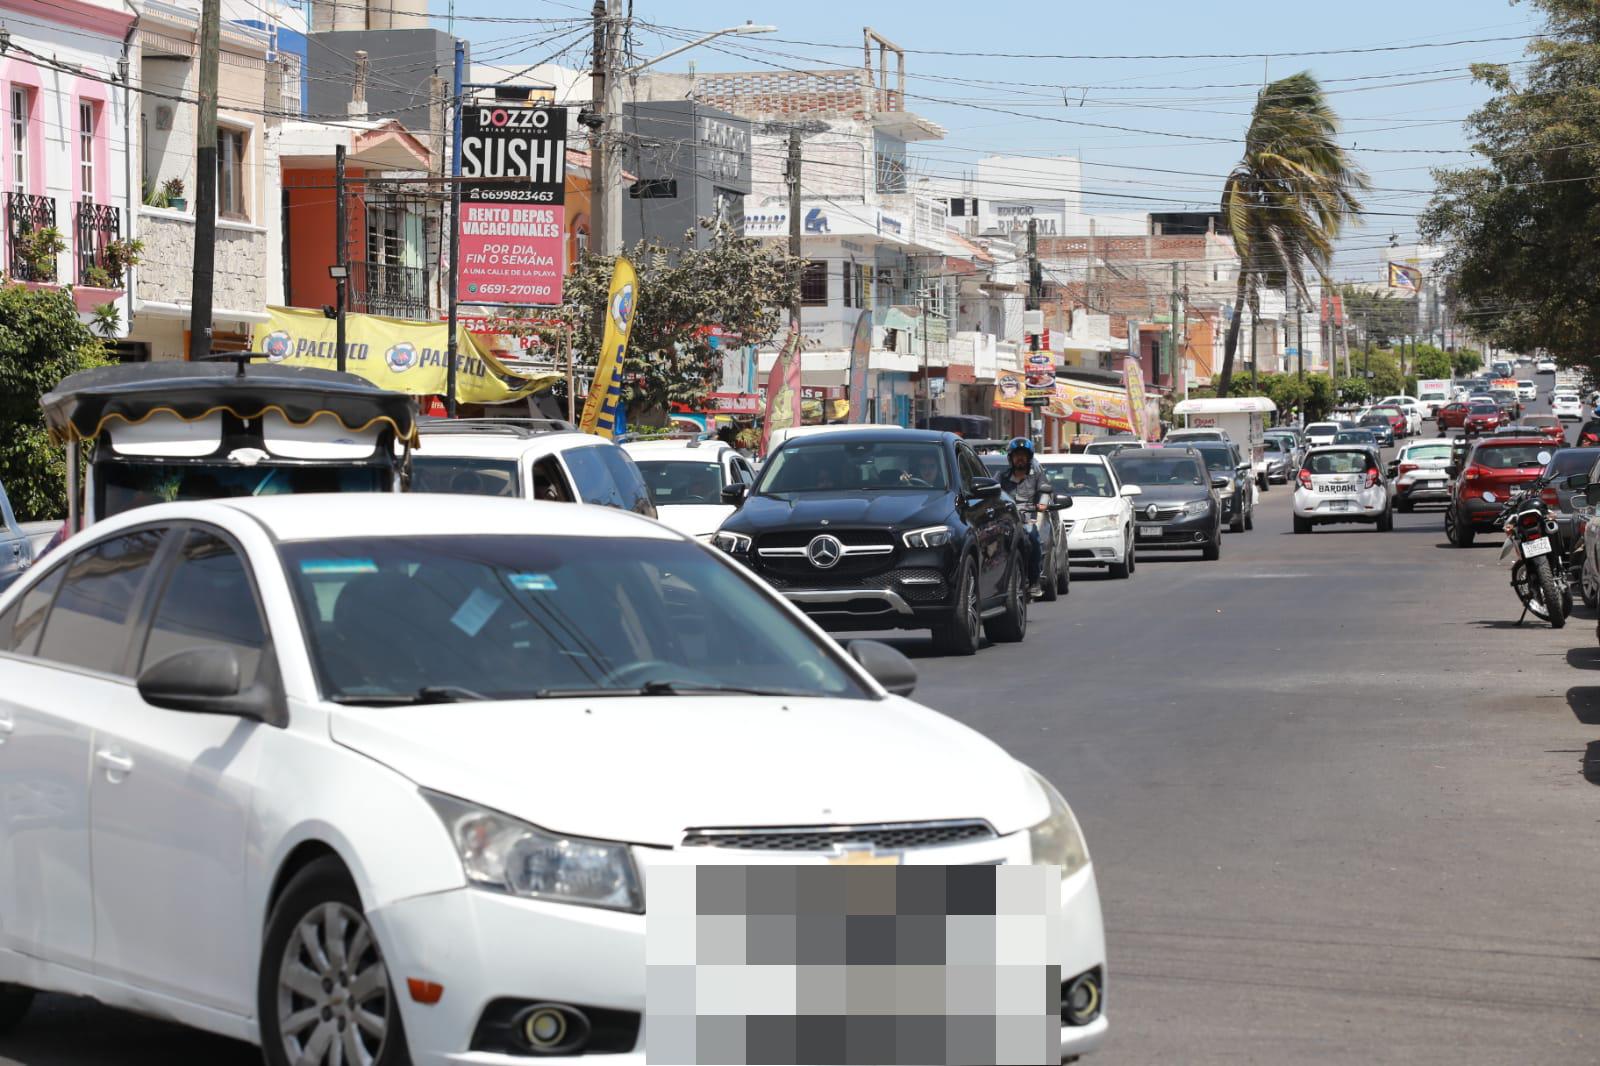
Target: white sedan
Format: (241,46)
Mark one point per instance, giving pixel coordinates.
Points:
(689,481)
(368,779)
(1100,527)
(1546,366)
(1567,406)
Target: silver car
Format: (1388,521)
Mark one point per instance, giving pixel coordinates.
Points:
(16,549)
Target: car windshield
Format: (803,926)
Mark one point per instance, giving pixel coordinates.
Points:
(1111,447)
(1351,462)
(1510,456)
(679,483)
(1428,451)
(1179,470)
(122,486)
(855,466)
(1219,457)
(1484,409)
(1079,479)
(1322,429)
(1273,444)
(463,476)
(1354,436)
(1541,420)
(1570,461)
(1375,420)
(395,619)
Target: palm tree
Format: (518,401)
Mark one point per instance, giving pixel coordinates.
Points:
(1286,201)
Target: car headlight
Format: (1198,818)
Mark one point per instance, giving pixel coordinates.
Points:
(1194,507)
(1103,524)
(932,537)
(1057,841)
(506,855)
(733,543)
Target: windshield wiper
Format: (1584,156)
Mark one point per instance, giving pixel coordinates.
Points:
(425,694)
(665,688)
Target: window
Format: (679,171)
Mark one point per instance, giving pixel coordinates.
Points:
(870,465)
(469,477)
(208,603)
(630,486)
(814,284)
(594,481)
(89,623)
(230,174)
(848,273)
(21,624)
(86,149)
(19,139)
(549,483)
(675,482)
(971,466)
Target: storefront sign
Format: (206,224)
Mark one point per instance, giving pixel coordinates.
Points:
(513,244)
(1041,378)
(1073,401)
(723,150)
(736,403)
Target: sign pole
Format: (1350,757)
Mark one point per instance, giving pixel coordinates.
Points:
(566,337)
(455,238)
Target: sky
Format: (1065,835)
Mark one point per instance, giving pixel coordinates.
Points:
(1181,112)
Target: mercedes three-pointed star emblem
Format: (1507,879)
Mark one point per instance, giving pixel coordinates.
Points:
(824,551)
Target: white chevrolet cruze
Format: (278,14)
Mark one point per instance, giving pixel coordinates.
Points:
(371,780)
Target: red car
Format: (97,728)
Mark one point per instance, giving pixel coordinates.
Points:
(1492,470)
(1484,416)
(1452,416)
(1396,417)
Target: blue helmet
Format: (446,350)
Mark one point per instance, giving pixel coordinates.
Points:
(1016,443)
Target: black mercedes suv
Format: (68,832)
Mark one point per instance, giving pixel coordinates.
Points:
(886,528)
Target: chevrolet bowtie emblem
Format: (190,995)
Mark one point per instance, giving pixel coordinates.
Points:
(863,855)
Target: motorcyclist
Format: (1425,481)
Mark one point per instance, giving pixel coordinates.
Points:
(1029,486)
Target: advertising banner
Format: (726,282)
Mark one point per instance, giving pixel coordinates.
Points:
(860,356)
(393,353)
(783,388)
(602,409)
(1138,412)
(513,245)
(1041,378)
(1074,401)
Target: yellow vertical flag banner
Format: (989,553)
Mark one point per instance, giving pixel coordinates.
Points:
(605,391)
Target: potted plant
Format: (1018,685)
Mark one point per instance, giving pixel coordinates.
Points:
(39,249)
(97,277)
(173,187)
(120,255)
(156,197)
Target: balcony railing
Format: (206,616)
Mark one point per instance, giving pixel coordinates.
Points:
(26,213)
(96,226)
(389,289)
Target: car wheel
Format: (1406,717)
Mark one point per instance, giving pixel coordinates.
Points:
(1213,551)
(1049,581)
(1264,483)
(14,1003)
(1237,525)
(1124,568)
(1011,626)
(1250,519)
(1386,521)
(961,634)
(1302,525)
(324,995)
(1403,506)
(1064,577)
(1586,586)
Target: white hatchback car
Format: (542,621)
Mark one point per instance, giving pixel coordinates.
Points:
(1342,483)
(1566,406)
(1546,366)
(1100,527)
(686,480)
(371,779)
(1319,433)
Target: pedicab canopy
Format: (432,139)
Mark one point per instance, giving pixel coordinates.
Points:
(85,404)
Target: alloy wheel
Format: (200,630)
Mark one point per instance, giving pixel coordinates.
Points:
(334,1002)
(972,616)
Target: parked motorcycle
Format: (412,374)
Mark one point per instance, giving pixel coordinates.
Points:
(1541,573)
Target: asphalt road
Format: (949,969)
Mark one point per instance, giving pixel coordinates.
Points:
(1342,809)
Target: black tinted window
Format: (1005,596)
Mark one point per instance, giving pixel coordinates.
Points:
(1510,456)
(24,619)
(88,625)
(595,484)
(470,477)
(208,603)
(630,486)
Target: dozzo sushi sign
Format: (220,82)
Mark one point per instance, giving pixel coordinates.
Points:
(513,204)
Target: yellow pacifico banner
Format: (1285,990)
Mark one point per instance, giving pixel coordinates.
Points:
(393,353)
(605,391)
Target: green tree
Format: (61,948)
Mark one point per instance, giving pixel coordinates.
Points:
(1353,390)
(41,341)
(1288,198)
(1520,225)
(1383,316)
(735,283)
(1386,379)
(1467,361)
(1432,362)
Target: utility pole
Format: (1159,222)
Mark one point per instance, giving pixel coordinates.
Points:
(927,384)
(205,183)
(791,178)
(341,274)
(1255,379)
(1300,337)
(605,197)
(453,314)
(1035,274)
(1366,333)
(1172,332)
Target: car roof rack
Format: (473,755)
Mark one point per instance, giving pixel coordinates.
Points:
(511,427)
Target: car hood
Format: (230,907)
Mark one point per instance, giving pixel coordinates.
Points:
(1167,494)
(1094,507)
(645,768)
(694,519)
(893,508)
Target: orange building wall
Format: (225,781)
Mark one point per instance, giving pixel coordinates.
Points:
(310,224)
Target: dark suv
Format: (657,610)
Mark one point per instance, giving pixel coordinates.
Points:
(886,529)
(1238,496)
(1177,506)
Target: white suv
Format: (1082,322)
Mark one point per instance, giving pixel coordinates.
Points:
(529,459)
(688,480)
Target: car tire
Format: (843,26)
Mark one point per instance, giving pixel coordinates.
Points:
(963,632)
(1125,568)
(14,1003)
(1264,483)
(318,896)
(1386,521)
(1213,551)
(1012,625)
(1586,587)
(1465,535)
(1050,580)
(1403,506)
(1064,577)
(1250,519)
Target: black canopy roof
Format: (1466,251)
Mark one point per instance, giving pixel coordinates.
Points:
(83,403)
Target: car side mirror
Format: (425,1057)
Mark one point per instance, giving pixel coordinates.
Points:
(1132,490)
(986,488)
(1591,495)
(1578,482)
(1219,482)
(207,681)
(1061,503)
(886,665)
(1452,470)
(734,494)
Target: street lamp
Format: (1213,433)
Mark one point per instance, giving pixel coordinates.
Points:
(606,224)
